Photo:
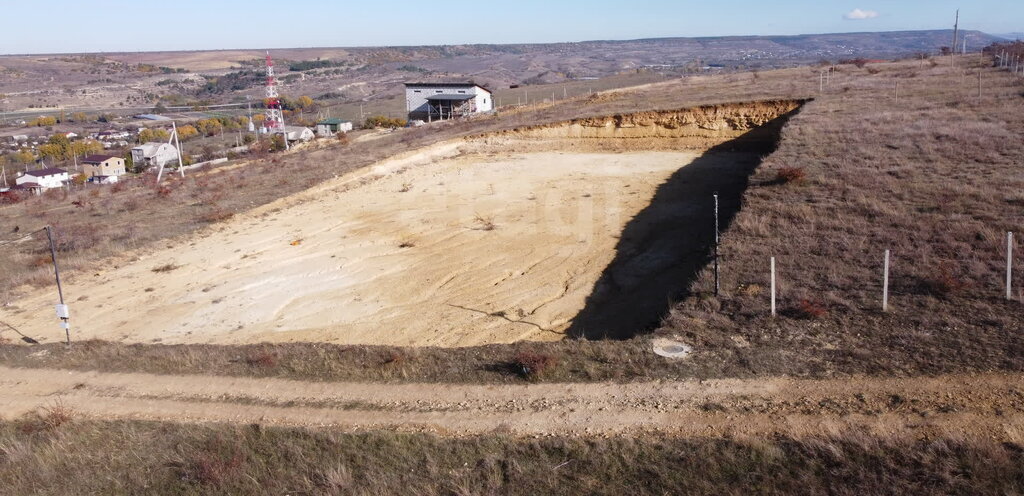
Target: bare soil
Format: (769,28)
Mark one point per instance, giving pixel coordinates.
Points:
(460,244)
(987,405)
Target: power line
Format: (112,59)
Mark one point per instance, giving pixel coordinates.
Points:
(29,235)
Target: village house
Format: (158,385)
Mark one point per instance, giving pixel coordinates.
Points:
(41,179)
(103,169)
(154,154)
(438,101)
(112,134)
(331,127)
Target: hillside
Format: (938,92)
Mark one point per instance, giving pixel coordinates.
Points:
(832,395)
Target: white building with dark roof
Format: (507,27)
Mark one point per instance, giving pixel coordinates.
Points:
(439,101)
(41,179)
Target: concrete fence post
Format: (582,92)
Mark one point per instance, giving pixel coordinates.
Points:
(885,283)
(1009,266)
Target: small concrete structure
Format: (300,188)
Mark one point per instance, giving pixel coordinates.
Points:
(154,154)
(438,101)
(298,133)
(330,127)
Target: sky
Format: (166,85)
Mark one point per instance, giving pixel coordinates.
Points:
(74,26)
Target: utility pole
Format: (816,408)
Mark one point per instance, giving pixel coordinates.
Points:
(717,284)
(956,33)
(62,309)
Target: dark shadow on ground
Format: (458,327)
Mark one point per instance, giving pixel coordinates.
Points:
(663,248)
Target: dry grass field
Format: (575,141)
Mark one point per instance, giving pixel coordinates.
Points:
(934,176)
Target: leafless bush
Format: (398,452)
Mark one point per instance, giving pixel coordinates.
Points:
(534,365)
(166,268)
(216,214)
(484,223)
(808,308)
(786,175)
(217,463)
(946,283)
(262,359)
(48,419)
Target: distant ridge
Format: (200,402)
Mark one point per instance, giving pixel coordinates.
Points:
(882,43)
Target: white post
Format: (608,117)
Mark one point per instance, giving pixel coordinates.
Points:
(885,283)
(773,286)
(177,146)
(1009,266)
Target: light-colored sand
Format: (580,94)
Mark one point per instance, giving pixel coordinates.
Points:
(362,261)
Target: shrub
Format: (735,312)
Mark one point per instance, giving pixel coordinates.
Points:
(10,197)
(216,463)
(74,238)
(262,359)
(48,419)
(342,138)
(215,215)
(809,309)
(380,121)
(533,365)
(945,284)
(166,268)
(485,223)
(786,175)
(393,357)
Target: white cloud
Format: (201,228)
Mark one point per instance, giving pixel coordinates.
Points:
(858,14)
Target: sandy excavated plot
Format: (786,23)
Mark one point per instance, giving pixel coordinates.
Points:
(456,250)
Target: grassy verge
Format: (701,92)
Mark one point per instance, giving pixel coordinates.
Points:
(55,454)
(875,344)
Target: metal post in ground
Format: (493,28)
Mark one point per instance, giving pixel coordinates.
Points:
(1009,266)
(773,286)
(885,283)
(62,309)
(717,283)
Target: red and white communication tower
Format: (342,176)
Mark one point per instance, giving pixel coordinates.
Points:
(275,119)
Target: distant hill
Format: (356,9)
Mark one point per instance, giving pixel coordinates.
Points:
(368,73)
(811,46)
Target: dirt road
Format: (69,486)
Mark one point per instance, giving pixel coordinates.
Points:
(991,405)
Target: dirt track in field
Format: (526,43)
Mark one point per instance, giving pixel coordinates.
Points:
(989,405)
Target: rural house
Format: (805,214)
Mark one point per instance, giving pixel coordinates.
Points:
(38,180)
(438,101)
(105,168)
(331,127)
(154,154)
